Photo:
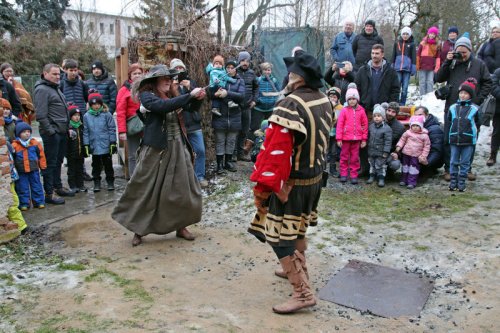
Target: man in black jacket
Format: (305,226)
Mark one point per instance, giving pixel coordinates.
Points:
(436,135)
(454,72)
(251,94)
(377,81)
(52,115)
(363,43)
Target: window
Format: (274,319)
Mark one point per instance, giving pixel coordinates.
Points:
(129,30)
(111,29)
(101,27)
(91,26)
(69,24)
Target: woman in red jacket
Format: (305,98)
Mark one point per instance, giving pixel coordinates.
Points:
(126,108)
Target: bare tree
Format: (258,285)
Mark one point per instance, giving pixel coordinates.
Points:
(84,28)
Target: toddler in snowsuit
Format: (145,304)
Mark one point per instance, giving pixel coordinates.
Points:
(99,138)
(334,96)
(415,146)
(379,145)
(29,159)
(463,118)
(218,79)
(351,135)
(75,152)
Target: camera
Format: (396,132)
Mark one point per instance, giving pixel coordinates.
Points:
(184,75)
(457,56)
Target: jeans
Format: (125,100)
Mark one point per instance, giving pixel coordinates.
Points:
(133,142)
(404,81)
(425,81)
(55,150)
(245,127)
(461,159)
(196,141)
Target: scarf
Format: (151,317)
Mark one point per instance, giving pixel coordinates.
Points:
(8,119)
(95,112)
(75,124)
(430,41)
(25,143)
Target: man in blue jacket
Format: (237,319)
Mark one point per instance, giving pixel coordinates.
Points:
(341,49)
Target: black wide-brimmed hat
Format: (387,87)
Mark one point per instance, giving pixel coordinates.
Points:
(306,66)
(156,72)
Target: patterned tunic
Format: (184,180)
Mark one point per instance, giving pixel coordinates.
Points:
(306,117)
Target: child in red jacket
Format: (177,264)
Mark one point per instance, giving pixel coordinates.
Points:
(352,133)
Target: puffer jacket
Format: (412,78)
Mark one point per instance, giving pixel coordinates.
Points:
(75,91)
(268,93)
(490,54)
(415,144)
(463,119)
(30,158)
(106,87)
(126,107)
(436,135)
(251,86)
(404,55)
(99,132)
(230,118)
(362,47)
(51,109)
(379,139)
(352,124)
(428,55)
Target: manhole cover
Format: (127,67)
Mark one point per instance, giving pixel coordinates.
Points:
(383,291)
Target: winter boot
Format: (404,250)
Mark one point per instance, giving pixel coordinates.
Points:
(453,182)
(229,165)
(461,183)
(333,170)
(381,181)
(492,159)
(371,179)
(97,185)
(302,296)
(301,246)
(111,185)
(220,165)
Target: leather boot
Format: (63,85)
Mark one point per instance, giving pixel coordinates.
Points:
(229,165)
(381,181)
(220,165)
(302,296)
(184,233)
(301,246)
(371,179)
(492,159)
(247,146)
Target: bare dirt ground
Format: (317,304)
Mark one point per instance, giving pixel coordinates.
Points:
(81,274)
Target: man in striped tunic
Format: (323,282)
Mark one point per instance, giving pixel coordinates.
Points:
(288,173)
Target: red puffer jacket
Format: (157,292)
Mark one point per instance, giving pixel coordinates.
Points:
(125,107)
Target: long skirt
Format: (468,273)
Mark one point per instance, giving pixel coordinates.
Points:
(163,194)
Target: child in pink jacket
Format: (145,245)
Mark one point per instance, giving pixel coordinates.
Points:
(415,146)
(352,133)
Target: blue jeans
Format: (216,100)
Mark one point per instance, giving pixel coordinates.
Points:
(196,141)
(404,81)
(425,81)
(461,159)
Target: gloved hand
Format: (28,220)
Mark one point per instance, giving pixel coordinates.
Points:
(112,148)
(86,151)
(260,200)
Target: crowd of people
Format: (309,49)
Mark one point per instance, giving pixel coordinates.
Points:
(291,131)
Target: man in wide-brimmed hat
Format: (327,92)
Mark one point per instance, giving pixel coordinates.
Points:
(289,173)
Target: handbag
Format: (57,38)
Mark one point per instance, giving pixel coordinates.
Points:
(134,125)
(487,110)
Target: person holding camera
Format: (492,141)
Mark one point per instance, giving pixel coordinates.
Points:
(340,75)
(192,119)
(457,68)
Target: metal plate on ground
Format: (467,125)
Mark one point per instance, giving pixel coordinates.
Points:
(380,290)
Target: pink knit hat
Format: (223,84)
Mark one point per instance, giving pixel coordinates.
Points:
(433,30)
(417,120)
(352,92)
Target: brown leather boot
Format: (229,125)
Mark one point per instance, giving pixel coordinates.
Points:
(301,246)
(136,240)
(492,159)
(184,233)
(302,296)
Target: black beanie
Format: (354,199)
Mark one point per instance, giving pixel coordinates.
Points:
(370,22)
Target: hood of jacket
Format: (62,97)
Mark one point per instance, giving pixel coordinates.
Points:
(431,120)
(43,82)
(384,62)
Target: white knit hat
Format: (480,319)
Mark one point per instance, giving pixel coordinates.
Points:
(176,63)
(352,92)
(407,30)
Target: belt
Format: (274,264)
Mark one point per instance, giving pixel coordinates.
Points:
(305,182)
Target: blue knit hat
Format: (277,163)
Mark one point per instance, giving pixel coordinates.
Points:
(22,126)
(453,29)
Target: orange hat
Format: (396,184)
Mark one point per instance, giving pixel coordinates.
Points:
(5,104)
